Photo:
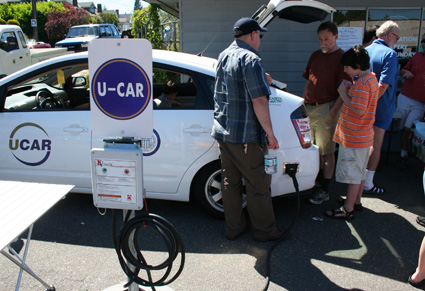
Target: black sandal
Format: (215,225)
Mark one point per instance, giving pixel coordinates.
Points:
(340,213)
(357,207)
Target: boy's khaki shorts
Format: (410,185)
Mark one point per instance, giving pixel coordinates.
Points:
(351,165)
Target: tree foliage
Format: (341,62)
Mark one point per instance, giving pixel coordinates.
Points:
(137,5)
(341,17)
(14,22)
(109,18)
(22,12)
(60,21)
(147,24)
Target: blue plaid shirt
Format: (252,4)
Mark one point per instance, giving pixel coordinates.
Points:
(240,78)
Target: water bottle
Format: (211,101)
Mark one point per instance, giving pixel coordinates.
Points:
(270,162)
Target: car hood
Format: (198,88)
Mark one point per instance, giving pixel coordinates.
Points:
(303,11)
(76,40)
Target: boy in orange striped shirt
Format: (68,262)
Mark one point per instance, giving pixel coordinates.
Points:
(354,132)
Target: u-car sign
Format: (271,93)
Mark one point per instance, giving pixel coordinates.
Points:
(121,87)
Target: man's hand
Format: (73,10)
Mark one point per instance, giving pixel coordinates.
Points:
(261,109)
(272,142)
(408,74)
(269,78)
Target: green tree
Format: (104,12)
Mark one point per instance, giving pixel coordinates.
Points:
(60,21)
(109,18)
(146,24)
(14,22)
(23,13)
(137,5)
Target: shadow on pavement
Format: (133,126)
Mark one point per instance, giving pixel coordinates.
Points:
(382,240)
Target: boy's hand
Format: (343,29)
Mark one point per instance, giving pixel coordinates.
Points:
(342,89)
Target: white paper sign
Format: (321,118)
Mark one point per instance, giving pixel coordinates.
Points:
(121,87)
(349,36)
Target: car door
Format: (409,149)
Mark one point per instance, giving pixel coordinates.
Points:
(46,140)
(303,11)
(181,132)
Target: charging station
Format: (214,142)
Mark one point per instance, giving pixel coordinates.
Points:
(121,111)
(116,169)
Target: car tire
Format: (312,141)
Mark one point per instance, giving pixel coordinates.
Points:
(206,190)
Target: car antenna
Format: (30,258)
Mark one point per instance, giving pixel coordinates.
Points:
(215,36)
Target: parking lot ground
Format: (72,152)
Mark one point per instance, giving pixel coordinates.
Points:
(72,244)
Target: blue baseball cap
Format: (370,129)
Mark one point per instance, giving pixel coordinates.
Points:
(246,25)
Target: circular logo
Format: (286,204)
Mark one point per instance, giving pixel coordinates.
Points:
(30,144)
(121,89)
(151,145)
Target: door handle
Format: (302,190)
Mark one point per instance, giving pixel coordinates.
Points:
(196,130)
(75,129)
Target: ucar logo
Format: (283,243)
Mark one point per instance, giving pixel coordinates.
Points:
(30,144)
(121,89)
(151,145)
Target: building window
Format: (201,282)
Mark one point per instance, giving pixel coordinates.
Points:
(409,21)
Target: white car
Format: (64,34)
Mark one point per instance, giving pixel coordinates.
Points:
(46,136)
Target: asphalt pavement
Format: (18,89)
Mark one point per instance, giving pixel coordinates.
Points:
(72,245)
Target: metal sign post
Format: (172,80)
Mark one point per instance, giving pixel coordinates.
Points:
(121,111)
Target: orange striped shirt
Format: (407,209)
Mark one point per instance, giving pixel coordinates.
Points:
(353,130)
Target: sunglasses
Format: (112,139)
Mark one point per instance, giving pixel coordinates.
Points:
(423,41)
(396,36)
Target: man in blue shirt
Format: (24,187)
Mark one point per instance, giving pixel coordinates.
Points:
(384,63)
(243,130)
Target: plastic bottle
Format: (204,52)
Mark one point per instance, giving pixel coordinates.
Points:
(270,162)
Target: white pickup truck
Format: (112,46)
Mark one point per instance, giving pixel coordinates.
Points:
(15,54)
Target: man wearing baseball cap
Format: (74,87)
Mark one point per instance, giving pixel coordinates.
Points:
(243,130)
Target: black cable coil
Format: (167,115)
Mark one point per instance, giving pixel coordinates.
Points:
(124,242)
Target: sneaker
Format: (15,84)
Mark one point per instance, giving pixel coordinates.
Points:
(319,196)
(402,163)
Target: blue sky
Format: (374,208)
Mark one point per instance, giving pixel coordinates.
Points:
(124,6)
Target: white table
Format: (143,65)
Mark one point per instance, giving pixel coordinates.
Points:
(22,204)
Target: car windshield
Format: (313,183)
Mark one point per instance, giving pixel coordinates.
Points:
(83,31)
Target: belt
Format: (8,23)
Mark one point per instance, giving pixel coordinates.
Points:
(316,103)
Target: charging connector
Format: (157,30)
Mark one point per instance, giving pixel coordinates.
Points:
(291,169)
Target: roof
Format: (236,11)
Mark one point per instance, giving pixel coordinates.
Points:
(86,4)
(170,6)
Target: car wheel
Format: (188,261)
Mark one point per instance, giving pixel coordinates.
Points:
(206,190)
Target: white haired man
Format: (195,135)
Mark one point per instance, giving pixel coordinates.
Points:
(384,63)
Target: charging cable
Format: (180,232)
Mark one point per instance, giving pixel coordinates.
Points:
(127,240)
(291,170)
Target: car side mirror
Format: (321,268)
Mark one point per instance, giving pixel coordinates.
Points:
(79,82)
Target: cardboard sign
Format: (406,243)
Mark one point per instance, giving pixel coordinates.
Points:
(121,87)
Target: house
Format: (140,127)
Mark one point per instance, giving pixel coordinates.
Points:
(89,6)
(124,21)
(206,27)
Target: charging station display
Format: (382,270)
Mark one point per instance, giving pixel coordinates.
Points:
(117,171)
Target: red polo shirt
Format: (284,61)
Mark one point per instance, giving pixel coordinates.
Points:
(415,87)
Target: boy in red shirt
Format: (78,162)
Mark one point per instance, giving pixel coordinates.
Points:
(354,132)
